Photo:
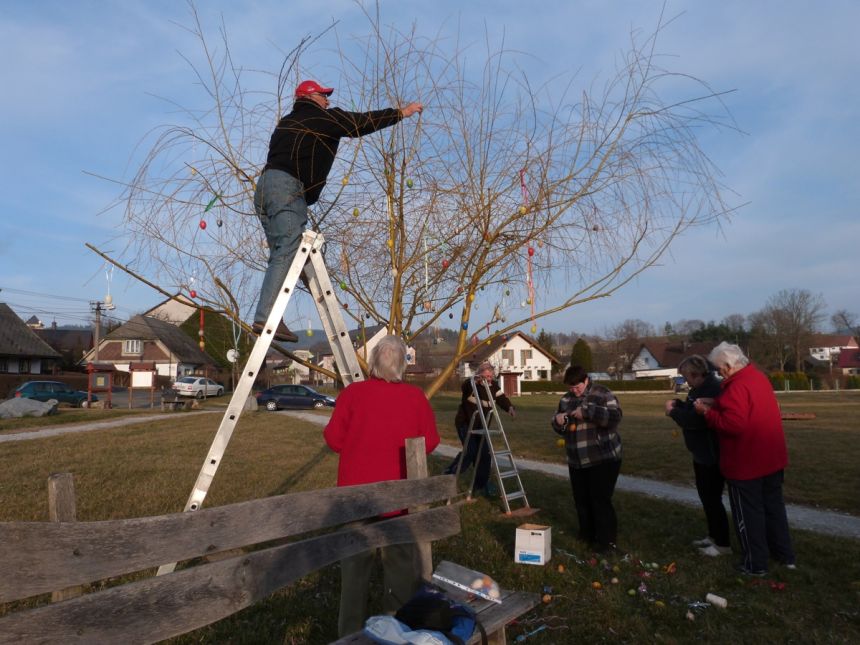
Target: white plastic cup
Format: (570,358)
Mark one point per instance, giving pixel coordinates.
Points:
(716,601)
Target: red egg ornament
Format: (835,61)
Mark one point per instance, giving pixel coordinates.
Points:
(531,251)
(203,224)
(193,293)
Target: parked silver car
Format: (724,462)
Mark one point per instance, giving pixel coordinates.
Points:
(197,386)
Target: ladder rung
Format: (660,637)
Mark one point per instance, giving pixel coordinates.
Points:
(508,473)
(516,495)
(502,453)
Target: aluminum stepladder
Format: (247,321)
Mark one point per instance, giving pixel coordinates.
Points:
(502,465)
(308,258)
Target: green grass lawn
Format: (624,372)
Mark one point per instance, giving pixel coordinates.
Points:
(824,453)
(149,468)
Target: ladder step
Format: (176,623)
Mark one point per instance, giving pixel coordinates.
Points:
(516,495)
(508,473)
(502,453)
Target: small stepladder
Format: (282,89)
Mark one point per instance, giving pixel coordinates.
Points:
(503,468)
(309,259)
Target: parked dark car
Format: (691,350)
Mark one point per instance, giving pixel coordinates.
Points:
(47,390)
(292,396)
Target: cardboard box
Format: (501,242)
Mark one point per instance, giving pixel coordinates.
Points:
(533,544)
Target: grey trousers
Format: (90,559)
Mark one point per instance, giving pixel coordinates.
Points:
(400,581)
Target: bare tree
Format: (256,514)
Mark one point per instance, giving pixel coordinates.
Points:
(504,203)
(735,322)
(785,325)
(846,322)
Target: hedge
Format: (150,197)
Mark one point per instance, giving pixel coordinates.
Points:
(659,385)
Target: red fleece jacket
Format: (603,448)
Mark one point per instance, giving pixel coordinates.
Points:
(748,422)
(369,428)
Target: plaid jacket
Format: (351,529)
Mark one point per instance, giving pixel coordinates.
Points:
(595,439)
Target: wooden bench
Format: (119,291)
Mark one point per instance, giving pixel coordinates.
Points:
(41,557)
(175,402)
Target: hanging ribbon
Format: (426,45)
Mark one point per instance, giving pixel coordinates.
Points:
(529,249)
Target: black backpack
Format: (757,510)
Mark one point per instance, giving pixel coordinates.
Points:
(431,608)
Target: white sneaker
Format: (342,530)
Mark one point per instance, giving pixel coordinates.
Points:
(714,550)
(705,541)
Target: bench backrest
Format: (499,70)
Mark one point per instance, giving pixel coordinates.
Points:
(39,557)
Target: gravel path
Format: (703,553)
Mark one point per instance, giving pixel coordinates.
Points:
(802,517)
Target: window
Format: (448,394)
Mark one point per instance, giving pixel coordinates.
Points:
(525,355)
(508,355)
(23,366)
(527,375)
(132,347)
(4,366)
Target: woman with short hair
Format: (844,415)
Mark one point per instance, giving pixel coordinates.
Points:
(588,417)
(703,445)
(753,457)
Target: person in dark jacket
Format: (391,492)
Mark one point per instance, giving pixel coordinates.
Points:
(301,153)
(588,417)
(468,407)
(703,444)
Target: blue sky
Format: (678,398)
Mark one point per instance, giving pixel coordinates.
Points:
(82,83)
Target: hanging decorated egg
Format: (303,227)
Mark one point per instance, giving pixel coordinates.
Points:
(192,293)
(540,244)
(465,326)
(220,223)
(343,285)
(355,212)
(445,264)
(200,333)
(534,329)
(595,228)
(428,305)
(390,243)
(451,315)
(346,305)
(345,180)
(528,301)
(202,345)
(310,332)
(108,300)
(193,170)
(507,292)
(522,210)
(409,183)
(471,297)
(531,251)
(203,224)
(460,289)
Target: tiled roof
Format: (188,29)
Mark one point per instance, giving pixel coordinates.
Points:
(670,354)
(483,350)
(832,340)
(177,341)
(17,339)
(849,358)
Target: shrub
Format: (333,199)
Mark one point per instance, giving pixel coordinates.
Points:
(659,385)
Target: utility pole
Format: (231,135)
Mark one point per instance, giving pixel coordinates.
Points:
(97,307)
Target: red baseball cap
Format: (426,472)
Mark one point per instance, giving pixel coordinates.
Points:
(306,88)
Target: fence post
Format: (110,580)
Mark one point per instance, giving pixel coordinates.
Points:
(62,508)
(416,468)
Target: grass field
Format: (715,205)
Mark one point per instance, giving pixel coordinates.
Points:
(149,469)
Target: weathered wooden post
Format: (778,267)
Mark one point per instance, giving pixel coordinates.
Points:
(62,508)
(416,468)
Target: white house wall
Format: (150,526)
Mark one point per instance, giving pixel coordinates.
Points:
(538,367)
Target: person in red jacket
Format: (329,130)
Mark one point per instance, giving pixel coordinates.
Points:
(753,457)
(368,429)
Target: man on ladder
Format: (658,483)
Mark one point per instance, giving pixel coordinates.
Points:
(467,424)
(301,153)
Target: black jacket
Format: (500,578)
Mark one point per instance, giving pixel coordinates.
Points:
(468,404)
(701,441)
(305,141)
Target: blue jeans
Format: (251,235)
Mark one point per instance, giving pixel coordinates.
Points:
(280,204)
